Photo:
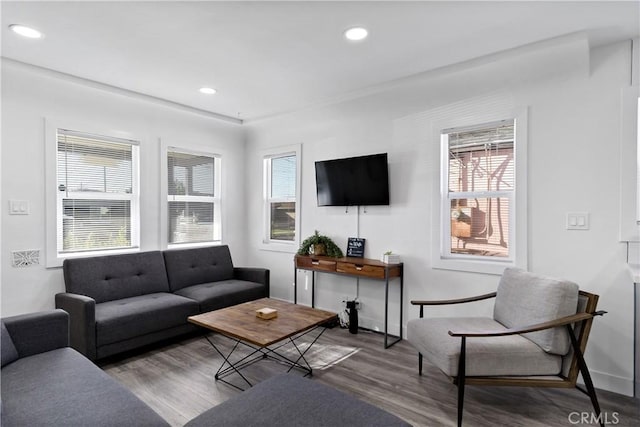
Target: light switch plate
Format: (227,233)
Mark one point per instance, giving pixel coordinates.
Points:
(578,221)
(18,207)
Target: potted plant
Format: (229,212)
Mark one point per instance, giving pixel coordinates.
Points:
(318,244)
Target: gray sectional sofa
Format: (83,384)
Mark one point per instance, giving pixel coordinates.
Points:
(47,383)
(121,302)
(289,400)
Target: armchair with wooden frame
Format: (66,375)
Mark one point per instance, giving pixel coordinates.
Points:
(536,338)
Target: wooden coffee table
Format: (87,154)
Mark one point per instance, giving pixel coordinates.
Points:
(264,337)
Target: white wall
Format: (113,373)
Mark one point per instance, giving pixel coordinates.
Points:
(573,98)
(29,96)
(572,95)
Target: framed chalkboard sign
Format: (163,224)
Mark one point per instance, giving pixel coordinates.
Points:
(355,247)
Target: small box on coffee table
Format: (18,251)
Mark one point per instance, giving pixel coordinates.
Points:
(267,313)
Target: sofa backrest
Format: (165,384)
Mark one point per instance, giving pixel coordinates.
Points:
(112,277)
(525,299)
(188,267)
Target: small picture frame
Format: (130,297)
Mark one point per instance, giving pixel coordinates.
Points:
(355,247)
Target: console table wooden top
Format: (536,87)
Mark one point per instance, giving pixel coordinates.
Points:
(365,267)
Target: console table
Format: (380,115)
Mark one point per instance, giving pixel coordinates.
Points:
(353,267)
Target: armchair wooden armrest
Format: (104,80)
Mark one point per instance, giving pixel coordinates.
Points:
(567,320)
(451,301)
(455,301)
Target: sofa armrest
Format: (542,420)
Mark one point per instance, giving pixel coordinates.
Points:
(82,324)
(39,332)
(258,275)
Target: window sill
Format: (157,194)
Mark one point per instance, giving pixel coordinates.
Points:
(193,245)
(57,260)
(474,266)
(290,248)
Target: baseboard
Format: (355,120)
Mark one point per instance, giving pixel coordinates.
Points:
(378,326)
(611,383)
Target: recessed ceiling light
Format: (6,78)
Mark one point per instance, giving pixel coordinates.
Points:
(208,90)
(25,31)
(356,33)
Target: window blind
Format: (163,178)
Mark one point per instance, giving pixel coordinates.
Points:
(481,185)
(283,177)
(191,197)
(281,209)
(95,183)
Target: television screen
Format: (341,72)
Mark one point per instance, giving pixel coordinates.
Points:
(353,181)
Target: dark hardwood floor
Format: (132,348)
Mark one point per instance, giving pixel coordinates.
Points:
(177,381)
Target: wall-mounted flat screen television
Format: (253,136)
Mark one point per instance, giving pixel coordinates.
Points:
(353,181)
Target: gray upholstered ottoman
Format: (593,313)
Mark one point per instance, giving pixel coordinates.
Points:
(291,400)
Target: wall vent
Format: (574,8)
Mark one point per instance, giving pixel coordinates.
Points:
(25,258)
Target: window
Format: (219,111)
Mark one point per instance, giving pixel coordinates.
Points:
(478,198)
(629,147)
(193,197)
(97,193)
(281,181)
(638,162)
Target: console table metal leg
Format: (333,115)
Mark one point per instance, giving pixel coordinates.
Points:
(401,301)
(388,344)
(313,289)
(386,310)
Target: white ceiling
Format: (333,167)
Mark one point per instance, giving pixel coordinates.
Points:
(266,58)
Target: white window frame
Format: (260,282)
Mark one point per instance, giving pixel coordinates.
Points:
(216,199)
(442,258)
(54,199)
(630,165)
(268,243)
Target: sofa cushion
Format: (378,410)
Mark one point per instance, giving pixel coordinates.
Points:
(188,267)
(215,295)
(63,388)
(132,317)
(525,298)
(9,352)
(288,400)
(492,356)
(113,277)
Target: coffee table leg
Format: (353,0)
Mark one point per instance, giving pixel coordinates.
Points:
(229,367)
(222,371)
(297,362)
(272,353)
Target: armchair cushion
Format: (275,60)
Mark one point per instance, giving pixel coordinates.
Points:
(525,298)
(485,356)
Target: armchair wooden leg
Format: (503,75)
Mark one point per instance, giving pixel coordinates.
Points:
(461,377)
(586,376)
(419,363)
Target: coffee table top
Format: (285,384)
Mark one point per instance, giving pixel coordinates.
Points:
(240,321)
